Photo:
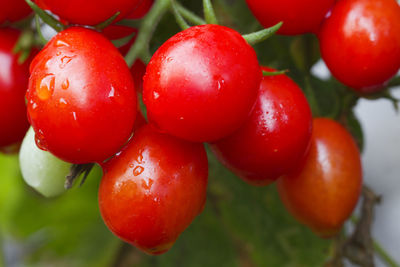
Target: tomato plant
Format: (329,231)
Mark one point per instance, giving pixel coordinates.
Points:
(81,97)
(275,138)
(153,189)
(13,82)
(298,16)
(201,84)
(360,43)
(324,191)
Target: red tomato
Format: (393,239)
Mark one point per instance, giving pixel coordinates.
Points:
(298,16)
(90,12)
(81,97)
(14,10)
(201,84)
(141,10)
(153,189)
(275,138)
(13,83)
(360,43)
(323,193)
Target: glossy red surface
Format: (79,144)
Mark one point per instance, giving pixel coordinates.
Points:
(275,138)
(298,16)
(201,84)
(360,43)
(153,189)
(324,192)
(90,12)
(81,97)
(13,83)
(14,10)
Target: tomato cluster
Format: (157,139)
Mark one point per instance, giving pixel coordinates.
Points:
(204,84)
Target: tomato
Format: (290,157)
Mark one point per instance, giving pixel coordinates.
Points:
(14,10)
(90,12)
(298,16)
(324,191)
(40,169)
(143,7)
(13,82)
(81,97)
(153,189)
(275,138)
(201,84)
(360,43)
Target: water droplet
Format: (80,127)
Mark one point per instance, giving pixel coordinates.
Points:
(63,103)
(169,59)
(112,92)
(138,170)
(220,84)
(74,114)
(275,150)
(58,53)
(156,95)
(64,61)
(40,141)
(140,157)
(45,86)
(147,183)
(61,43)
(65,84)
(181,118)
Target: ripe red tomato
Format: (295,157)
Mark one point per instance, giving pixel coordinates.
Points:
(201,84)
(90,12)
(360,42)
(81,97)
(298,16)
(13,83)
(143,7)
(323,193)
(275,138)
(14,10)
(153,189)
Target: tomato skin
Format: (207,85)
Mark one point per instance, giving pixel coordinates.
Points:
(153,189)
(13,82)
(360,43)
(81,98)
(275,138)
(324,192)
(298,16)
(14,10)
(201,84)
(90,12)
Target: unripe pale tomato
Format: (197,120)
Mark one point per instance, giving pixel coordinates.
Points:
(323,193)
(153,189)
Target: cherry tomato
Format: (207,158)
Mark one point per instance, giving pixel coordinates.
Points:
(90,12)
(13,83)
(360,43)
(201,84)
(14,10)
(153,189)
(275,138)
(298,16)
(324,191)
(40,169)
(81,97)
(141,10)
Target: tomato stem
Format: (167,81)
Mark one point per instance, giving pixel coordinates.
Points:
(274,73)
(178,17)
(107,22)
(209,13)
(189,15)
(259,36)
(146,30)
(46,17)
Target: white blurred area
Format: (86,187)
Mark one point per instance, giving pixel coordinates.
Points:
(381,163)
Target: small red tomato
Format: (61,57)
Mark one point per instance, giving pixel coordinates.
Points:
(275,138)
(13,83)
(323,193)
(201,84)
(298,16)
(360,43)
(81,97)
(141,10)
(153,189)
(14,10)
(90,12)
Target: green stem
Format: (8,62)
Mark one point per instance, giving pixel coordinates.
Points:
(209,13)
(178,17)
(257,37)
(146,31)
(47,18)
(274,73)
(189,15)
(312,99)
(42,40)
(108,22)
(384,255)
